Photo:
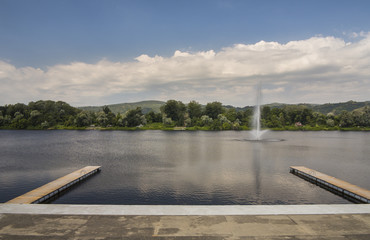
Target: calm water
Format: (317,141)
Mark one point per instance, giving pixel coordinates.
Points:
(158,167)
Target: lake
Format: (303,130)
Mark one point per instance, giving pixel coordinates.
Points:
(181,167)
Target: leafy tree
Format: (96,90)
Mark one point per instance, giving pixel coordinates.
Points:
(106,110)
(306,116)
(274,122)
(366,117)
(345,119)
(214,109)
(167,121)
(188,122)
(143,120)
(245,117)
(102,119)
(70,121)
(231,114)
(35,118)
(134,117)
(224,122)
(293,114)
(330,122)
(266,113)
(194,110)
(152,117)
(362,117)
(44,125)
(111,118)
(236,124)
(46,114)
(82,119)
(19,121)
(206,120)
(319,118)
(175,110)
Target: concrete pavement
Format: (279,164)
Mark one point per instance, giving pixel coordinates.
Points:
(71,224)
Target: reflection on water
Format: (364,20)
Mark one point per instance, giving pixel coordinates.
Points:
(157,167)
(257,169)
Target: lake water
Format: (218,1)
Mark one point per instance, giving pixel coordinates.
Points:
(180,167)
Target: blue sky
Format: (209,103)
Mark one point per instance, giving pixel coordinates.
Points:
(71,50)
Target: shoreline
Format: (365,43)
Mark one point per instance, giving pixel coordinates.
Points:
(288,129)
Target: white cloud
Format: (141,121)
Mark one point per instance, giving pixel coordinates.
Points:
(319,69)
(355,34)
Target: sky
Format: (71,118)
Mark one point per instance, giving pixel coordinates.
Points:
(90,52)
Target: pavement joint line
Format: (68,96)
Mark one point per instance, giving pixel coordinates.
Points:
(184,210)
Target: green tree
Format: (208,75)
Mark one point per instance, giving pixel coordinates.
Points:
(82,119)
(175,110)
(102,119)
(44,125)
(206,120)
(236,124)
(330,122)
(70,121)
(245,117)
(345,119)
(274,121)
(224,123)
(266,113)
(19,122)
(365,122)
(319,118)
(361,117)
(194,110)
(111,118)
(167,121)
(231,114)
(214,109)
(19,107)
(35,118)
(188,122)
(152,117)
(106,110)
(134,117)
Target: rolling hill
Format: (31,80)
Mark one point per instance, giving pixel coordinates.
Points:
(148,106)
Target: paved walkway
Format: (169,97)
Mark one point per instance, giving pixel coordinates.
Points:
(73,225)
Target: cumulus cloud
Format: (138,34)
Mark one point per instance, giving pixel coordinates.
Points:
(316,70)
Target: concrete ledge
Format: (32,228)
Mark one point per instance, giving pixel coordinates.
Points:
(184,210)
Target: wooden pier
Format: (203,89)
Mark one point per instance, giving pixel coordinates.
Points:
(337,186)
(49,190)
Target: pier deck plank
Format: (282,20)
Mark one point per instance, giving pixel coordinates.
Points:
(53,186)
(334,181)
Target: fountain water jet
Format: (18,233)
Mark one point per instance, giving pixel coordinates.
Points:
(256,124)
(257,132)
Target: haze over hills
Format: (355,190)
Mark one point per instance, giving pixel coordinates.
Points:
(154,106)
(146,107)
(335,108)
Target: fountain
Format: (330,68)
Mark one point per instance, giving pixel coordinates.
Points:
(257,132)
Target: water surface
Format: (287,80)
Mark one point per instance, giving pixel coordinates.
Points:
(160,167)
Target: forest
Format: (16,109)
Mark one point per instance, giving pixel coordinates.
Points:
(175,115)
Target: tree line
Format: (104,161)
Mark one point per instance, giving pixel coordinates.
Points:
(212,116)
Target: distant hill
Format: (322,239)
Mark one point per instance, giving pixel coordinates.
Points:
(146,107)
(335,108)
